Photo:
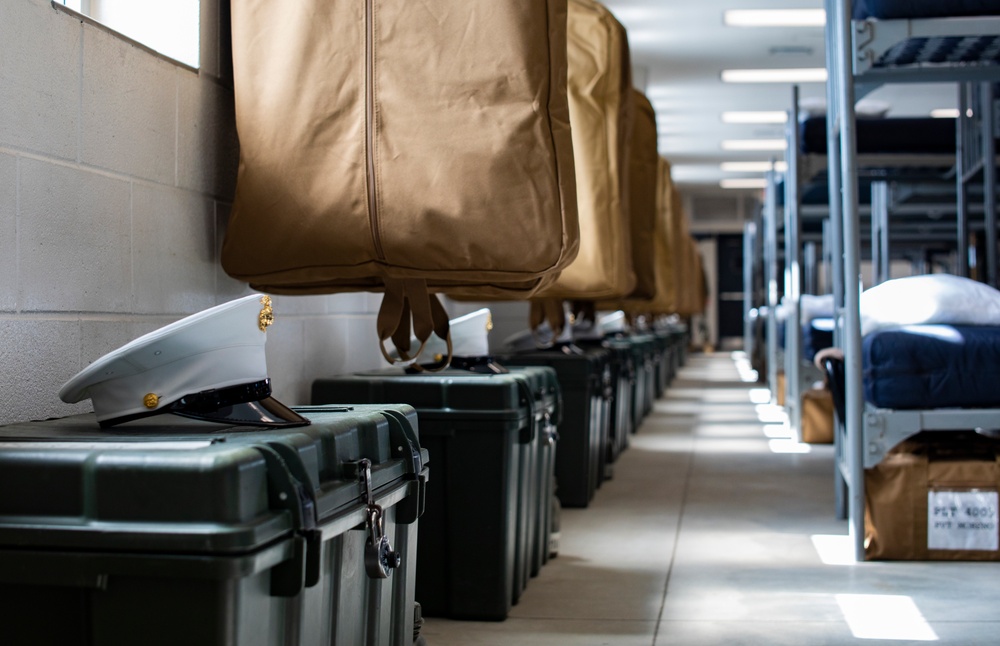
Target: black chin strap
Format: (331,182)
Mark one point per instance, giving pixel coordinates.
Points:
(247,404)
(209,401)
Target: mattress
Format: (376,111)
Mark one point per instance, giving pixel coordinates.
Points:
(941,49)
(887,136)
(945,50)
(893,9)
(814,191)
(932,366)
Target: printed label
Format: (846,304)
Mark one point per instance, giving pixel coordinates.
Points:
(962,520)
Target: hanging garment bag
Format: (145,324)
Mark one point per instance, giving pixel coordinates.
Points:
(404,147)
(688,302)
(644,205)
(643,169)
(680,239)
(664,299)
(600,106)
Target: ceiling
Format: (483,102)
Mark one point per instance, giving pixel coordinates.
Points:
(679,49)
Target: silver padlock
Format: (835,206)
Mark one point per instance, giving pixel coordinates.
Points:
(379,555)
(550,430)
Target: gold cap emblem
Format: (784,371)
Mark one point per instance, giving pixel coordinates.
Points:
(151,401)
(489,322)
(266,317)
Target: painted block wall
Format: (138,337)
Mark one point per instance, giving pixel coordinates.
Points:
(117,171)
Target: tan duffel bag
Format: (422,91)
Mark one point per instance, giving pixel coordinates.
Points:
(600,107)
(817,416)
(934,497)
(401,146)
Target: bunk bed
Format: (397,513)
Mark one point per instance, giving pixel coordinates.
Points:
(933,367)
(887,152)
(896,41)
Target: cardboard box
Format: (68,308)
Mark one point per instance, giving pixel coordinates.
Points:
(817,416)
(935,497)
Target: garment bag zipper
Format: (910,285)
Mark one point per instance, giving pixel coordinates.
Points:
(370,126)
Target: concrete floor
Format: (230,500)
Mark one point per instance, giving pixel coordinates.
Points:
(713,533)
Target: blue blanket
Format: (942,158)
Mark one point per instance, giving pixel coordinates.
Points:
(890,9)
(933,366)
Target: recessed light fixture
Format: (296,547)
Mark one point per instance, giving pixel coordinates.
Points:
(789,75)
(754,144)
(774,17)
(753,183)
(752,167)
(945,113)
(772,116)
(790,50)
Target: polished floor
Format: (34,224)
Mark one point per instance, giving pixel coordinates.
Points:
(716,530)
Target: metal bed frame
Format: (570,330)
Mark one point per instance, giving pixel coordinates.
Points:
(800,257)
(860,58)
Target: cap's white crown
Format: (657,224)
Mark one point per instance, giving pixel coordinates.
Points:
(217,348)
(613,323)
(566,336)
(469,337)
(585,329)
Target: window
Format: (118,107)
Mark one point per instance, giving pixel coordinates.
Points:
(170,27)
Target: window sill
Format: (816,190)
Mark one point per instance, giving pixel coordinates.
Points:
(117,34)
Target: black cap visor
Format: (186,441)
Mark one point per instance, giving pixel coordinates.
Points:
(267,412)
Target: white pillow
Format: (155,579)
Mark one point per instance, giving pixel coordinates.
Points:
(931,298)
(815,307)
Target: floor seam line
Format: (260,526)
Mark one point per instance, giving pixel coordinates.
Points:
(677,534)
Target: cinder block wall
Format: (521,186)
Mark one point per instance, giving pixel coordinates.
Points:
(117,169)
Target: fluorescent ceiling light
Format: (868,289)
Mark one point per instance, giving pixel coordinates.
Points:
(772,116)
(752,167)
(774,17)
(754,144)
(744,183)
(789,75)
(945,113)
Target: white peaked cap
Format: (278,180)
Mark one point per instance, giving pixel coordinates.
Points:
(613,323)
(469,337)
(586,330)
(566,336)
(216,355)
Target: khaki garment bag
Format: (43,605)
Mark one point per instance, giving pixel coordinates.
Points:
(681,241)
(600,106)
(693,284)
(646,188)
(664,301)
(666,255)
(643,179)
(401,146)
